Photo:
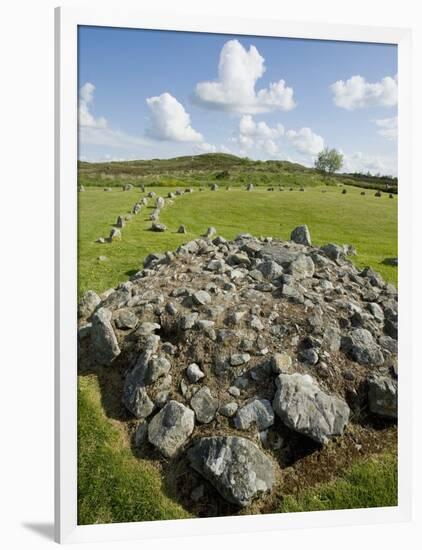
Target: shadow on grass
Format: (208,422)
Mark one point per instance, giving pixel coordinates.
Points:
(131,272)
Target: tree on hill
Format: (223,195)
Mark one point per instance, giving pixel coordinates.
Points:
(329,161)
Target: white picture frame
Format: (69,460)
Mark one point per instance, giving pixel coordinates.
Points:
(67,21)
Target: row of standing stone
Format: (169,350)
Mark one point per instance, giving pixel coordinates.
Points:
(160,202)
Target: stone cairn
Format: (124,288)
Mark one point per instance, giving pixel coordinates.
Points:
(234,352)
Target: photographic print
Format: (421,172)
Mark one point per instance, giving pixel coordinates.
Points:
(237,275)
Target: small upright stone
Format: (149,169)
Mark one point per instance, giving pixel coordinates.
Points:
(158,227)
(104,341)
(301,235)
(211,232)
(115,234)
(182,229)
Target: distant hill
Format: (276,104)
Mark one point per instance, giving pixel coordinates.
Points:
(219,167)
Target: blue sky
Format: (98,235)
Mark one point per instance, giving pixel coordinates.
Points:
(158,94)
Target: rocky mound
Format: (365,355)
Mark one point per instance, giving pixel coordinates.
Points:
(228,350)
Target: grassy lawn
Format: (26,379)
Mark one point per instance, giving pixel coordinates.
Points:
(367,222)
(113,485)
(367,484)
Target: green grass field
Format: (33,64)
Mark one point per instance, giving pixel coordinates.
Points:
(367,484)
(113,485)
(367,222)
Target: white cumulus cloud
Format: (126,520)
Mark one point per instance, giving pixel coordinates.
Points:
(259,130)
(387,127)
(205,148)
(234,90)
(258,135)
(225,149)
(85,117)
(374,164)
(357,93)
(305,141)
(96,130)
(169,121)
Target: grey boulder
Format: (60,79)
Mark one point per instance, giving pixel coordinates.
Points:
(89,301)
(194,373)
(204,405)
(235,466)
(334,252)
(270,269)
(302,267)
(362,347)
(104,341)
(382,395)
(257,412)
(229,409)
(136,400)
(305,408)
(201,298)
(171,427)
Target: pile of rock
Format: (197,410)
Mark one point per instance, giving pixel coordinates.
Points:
(230,349)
